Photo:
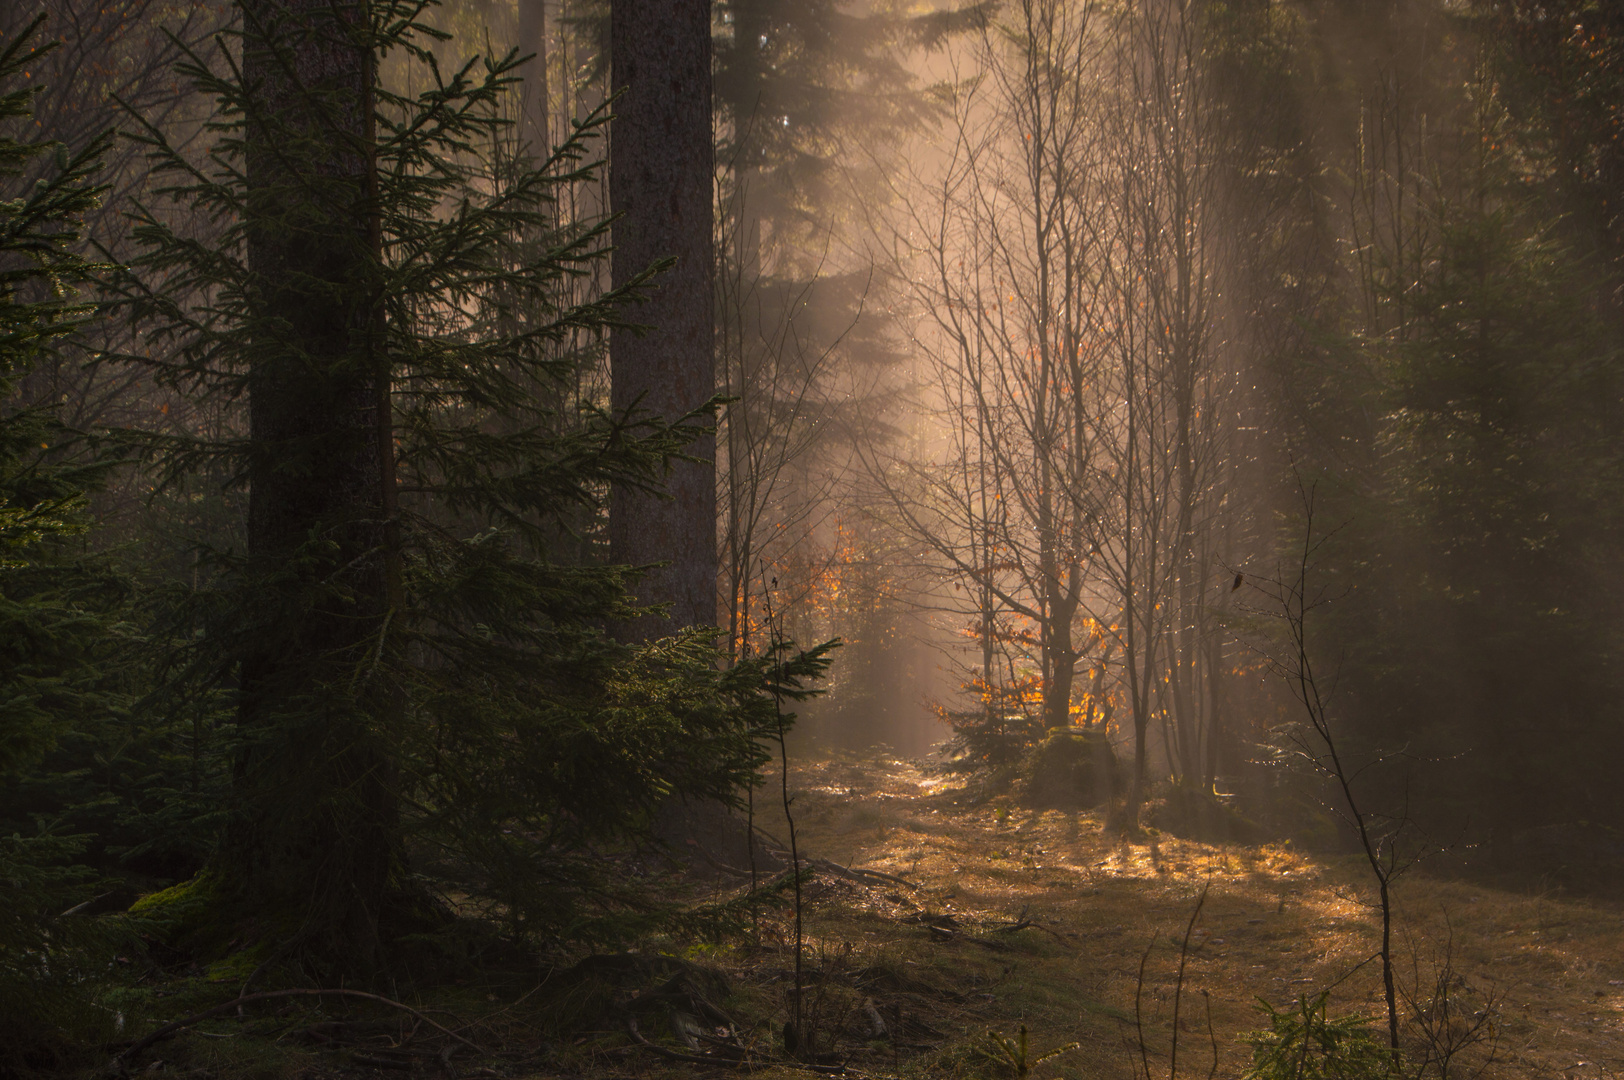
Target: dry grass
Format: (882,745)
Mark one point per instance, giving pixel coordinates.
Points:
(1276,924)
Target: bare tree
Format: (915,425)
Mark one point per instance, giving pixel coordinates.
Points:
(1172,382)
(1007,276)
(805,356)
(1385,837)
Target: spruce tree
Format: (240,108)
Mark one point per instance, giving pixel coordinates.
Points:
(59,606)
(425,694)
(319,462)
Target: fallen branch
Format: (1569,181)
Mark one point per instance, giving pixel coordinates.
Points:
(738,1063)
(859,874)
(176,1025)
(677,1055)
(1024,922)
(939,922)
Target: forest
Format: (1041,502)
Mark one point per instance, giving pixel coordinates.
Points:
(934,540)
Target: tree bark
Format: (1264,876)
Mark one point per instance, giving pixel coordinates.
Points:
(535,103)
(315,838)
(662,167)
(1059,655)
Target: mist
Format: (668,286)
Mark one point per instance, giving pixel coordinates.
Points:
(1144,463)
(1039,326)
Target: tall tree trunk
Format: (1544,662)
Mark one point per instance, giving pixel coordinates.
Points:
(662,167)
(1214,648)
(1060,654)
(314,844)
(535,102)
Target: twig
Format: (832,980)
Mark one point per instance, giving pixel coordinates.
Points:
(1024,921)
(277,954)
(1178,988)
(1385,866)
(1211,1034)
(77,908)
(264,995)
(522,998)
(1138,1012)
(796,1025)
(737,1063)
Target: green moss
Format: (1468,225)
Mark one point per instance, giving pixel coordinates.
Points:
(237,966)
(185,903)
(196,917)
(1072,768)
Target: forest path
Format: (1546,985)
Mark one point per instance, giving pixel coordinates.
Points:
(1275,925)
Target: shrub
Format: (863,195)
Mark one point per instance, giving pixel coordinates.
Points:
(1306,1043)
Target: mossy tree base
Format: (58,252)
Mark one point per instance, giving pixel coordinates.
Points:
(1071,769)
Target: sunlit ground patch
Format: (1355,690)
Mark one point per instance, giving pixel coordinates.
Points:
(1278,923)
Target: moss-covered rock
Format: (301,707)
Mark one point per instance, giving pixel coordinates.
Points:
(1070,769)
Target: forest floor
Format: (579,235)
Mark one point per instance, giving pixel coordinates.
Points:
(934,922)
